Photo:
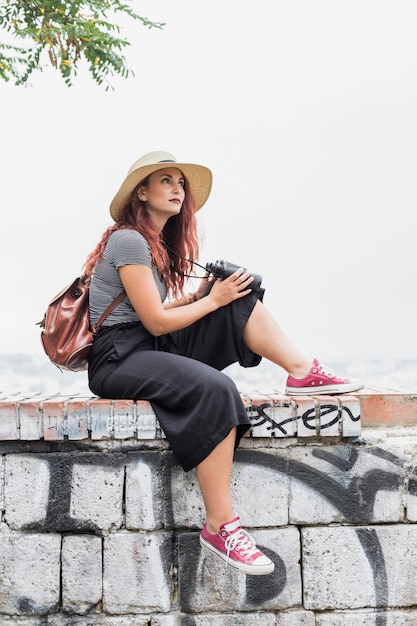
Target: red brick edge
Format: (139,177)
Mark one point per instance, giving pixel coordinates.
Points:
(53,418)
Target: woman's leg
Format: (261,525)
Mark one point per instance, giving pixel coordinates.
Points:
(214,479)
(222,533)
(265,337)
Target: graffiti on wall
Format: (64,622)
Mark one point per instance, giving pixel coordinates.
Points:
(353,498)
(309,418)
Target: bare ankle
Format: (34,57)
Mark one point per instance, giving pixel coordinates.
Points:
(213,530)
(300,370)
(213,523)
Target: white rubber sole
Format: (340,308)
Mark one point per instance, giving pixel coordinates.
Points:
(254,570)
(354,385)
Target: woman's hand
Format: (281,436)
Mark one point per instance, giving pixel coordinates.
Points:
(205,287)
(236,286)
(143,294)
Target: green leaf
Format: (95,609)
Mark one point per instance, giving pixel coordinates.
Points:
(65,34)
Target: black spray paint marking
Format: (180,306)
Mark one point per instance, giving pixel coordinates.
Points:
(329,415)
(355,499)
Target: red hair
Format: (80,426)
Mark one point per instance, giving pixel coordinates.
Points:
(179,236)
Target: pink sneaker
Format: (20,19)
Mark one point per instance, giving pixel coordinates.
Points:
(235,546)
(321,379)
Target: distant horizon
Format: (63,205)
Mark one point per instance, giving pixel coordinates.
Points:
(26,373)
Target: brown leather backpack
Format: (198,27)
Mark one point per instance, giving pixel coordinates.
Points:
(66,334)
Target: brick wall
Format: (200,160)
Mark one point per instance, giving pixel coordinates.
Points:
(100,526)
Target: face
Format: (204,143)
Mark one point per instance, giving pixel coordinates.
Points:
(164,194)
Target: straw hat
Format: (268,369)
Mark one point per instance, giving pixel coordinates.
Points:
(199,179)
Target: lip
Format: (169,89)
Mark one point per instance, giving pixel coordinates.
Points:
(175,200)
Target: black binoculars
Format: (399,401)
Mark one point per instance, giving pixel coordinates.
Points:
(222,269)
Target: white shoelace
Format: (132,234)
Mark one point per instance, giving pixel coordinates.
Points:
(242,542)
(327,371)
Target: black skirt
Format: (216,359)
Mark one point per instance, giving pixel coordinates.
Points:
(179,374)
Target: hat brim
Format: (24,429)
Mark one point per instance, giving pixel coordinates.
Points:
(199,179)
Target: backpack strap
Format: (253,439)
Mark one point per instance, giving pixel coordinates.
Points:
(107,312)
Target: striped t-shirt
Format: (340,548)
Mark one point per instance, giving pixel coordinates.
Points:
(124,247)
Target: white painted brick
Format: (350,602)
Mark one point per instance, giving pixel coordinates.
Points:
(381,470)
(388,506)
(30,420)
(411,498)
(411,508)
(351,416)
(29,572)
(399,549)
(272,421)
(97,496)
(329,416)
(54,419)
(207,584)
(14,620)
(98,620)
(100,419)
(188,510)
(296,618)
(136,572)
(77,419)
(216,619)
(309,490)
(336,571)
(146,422)
(168,620)
(9,422)
(368,618)
(260,491)
(148,492)
(345,482)
(305,412)
(123,419)
(27,480)
(81,573)
(2,484)
(339,569)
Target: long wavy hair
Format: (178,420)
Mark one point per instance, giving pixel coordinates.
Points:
(172,251)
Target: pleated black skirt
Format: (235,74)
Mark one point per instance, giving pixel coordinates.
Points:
(180,375)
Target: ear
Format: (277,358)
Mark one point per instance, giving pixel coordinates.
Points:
(142,193)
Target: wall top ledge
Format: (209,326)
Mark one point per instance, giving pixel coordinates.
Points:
(55,417)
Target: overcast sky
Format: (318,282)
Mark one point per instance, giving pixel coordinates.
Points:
(306,113)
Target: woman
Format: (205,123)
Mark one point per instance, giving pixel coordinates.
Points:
(171,351)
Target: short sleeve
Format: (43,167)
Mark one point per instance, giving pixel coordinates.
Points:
(128,247)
